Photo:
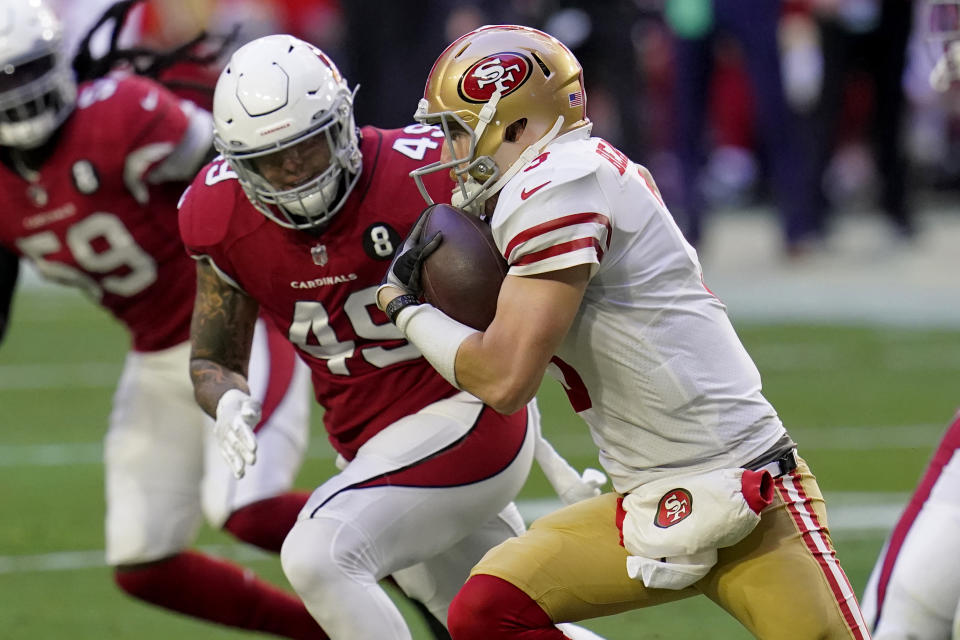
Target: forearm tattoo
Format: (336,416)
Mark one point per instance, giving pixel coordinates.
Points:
(221,333)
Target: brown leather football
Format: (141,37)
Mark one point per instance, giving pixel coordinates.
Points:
(462,277)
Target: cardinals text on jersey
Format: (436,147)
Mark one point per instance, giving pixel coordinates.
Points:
(319,288)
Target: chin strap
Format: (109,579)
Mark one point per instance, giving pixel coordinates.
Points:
(486,113)
(470,195)
(467,194)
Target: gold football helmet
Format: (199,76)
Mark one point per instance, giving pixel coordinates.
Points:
(486,81)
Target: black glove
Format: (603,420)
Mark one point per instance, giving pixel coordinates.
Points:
(404,271)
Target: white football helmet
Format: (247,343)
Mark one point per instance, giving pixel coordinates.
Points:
(488,80)
(37,88)
(277,92)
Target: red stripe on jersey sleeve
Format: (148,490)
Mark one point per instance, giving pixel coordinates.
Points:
(559,223)
(563,247)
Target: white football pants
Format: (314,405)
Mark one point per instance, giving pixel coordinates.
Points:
(423,500)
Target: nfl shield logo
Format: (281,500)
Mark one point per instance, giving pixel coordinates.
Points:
(38,195)
(319,254)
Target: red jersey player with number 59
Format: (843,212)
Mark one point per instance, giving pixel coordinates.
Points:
(89,180)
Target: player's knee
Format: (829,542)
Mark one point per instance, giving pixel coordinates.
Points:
(319,553)
(299,555)
(488,608)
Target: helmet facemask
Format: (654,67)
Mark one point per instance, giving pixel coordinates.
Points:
(314,202)
(37,88)
(283,119)
(471,173)
(479,178)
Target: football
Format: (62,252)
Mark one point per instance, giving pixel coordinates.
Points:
(462,277)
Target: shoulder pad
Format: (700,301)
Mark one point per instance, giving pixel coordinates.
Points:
(207,205)
(558,164)
(120,93)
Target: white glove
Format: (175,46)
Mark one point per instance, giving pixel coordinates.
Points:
(587,485)
(570,486)
(237,415)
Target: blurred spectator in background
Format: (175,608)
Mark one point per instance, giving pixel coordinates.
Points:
(163,25)
(866,38)
(399,46)
(699,26)
(392,48)
(601,35)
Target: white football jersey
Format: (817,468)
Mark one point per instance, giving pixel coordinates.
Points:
(651,362)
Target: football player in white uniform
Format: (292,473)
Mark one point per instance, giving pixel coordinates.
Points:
(604,293)
(914,588)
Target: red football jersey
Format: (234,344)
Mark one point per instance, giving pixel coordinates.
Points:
(92,219)
(320,288)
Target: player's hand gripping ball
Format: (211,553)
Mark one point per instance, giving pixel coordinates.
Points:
(450,260)
(462,276)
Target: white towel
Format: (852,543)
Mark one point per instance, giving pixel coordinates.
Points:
(672,527)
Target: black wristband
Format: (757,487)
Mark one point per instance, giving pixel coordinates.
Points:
(401,302)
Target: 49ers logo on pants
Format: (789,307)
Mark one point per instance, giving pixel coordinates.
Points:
(674,506)
(502,71)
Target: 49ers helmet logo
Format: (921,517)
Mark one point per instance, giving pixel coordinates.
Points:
(504,71)
(674,506)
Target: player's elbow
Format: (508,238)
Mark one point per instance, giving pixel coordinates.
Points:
(507,405)
(508,396)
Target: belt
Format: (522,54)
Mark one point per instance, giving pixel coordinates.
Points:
(782,465)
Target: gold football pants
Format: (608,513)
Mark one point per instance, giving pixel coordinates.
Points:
(782,581)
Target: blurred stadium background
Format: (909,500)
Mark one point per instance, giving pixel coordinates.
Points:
(857,337)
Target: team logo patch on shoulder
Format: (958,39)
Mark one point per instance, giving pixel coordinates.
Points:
(675,505)
(505,71)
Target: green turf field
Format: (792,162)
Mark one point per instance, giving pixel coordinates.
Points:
(866,406)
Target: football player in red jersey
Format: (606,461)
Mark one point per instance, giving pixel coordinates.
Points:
(89,180)
(604,293)
(298,221)
(914,588)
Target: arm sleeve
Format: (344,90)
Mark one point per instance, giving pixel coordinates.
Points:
(9,271)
